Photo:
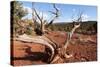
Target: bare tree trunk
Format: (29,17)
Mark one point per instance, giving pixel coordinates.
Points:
(56,52)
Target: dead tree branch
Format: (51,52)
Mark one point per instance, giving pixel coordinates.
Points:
(62,50)
(56,14)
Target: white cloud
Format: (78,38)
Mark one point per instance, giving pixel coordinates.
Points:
(28,9)
(85,17)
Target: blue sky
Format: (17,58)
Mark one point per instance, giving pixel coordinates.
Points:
(66,11)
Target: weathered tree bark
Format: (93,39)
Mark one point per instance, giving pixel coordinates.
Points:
(43,40)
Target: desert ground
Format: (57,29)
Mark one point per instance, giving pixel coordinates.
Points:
(82,47)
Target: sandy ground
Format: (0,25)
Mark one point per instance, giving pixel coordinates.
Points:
(83,48)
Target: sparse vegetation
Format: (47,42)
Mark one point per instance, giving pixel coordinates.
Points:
(85,28)
(56,40)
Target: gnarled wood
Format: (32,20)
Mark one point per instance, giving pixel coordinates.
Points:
(38,39)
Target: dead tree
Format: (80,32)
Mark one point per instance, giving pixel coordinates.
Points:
(41,28)
(56,52)
(62,51)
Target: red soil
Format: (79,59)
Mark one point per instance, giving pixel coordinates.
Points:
(32,53)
